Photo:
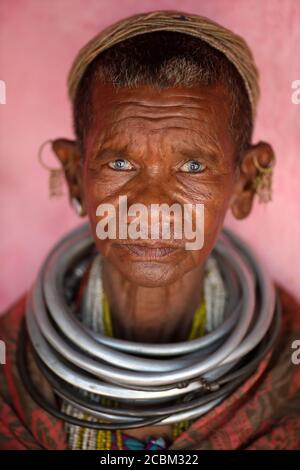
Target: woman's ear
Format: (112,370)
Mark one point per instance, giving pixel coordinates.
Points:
(242,198)
(70,157)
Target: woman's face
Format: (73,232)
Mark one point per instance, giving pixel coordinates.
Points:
(154,147)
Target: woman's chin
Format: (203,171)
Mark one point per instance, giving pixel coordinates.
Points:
(149,273)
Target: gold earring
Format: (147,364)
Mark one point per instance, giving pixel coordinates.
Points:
(263,181)
(55,182)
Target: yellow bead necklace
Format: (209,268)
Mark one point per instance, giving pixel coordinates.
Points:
(104,437)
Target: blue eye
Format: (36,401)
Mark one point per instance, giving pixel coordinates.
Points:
(120,164)
(192,166)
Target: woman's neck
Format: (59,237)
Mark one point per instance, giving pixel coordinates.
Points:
(152,314)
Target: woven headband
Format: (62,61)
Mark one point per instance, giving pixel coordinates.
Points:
(231,45)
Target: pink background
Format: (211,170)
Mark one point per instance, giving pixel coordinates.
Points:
(38,41)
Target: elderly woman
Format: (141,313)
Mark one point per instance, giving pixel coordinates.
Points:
(133,341)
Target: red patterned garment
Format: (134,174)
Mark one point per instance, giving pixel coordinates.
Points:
(263,413)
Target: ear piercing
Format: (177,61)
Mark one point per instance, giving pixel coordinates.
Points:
(263,181)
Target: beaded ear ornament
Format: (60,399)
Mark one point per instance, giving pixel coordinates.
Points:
(263,181)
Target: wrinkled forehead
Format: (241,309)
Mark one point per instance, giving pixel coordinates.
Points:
(198,113)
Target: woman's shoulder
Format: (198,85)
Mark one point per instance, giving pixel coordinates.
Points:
(23,425)
(11,319)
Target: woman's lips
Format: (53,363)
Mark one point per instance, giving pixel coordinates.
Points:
(149,252)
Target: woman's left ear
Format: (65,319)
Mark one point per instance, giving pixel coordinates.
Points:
(259,155)
(69,155)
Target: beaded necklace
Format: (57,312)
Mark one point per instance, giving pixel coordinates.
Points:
(207,316)
(197,329)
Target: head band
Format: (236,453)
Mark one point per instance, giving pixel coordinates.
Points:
(231,45)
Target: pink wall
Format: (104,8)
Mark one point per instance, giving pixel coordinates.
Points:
(38,40)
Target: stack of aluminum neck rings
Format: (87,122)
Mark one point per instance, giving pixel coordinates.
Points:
(151,383)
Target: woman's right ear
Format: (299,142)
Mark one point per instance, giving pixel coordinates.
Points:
(70,157)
